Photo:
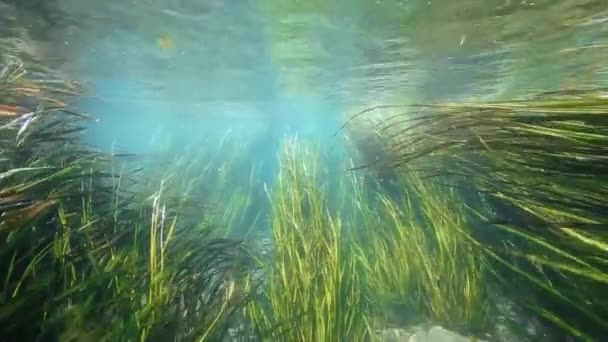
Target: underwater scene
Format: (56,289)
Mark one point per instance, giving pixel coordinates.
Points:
(307,171)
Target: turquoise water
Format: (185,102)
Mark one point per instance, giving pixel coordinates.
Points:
(295,66)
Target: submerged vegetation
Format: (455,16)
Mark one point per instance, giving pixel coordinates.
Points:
(88,235)
(334,271)
(80,244)
(538,166)
(449,211)
(313,289)
(419,260)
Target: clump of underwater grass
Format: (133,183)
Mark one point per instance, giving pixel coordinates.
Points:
(43,181)
(452,288)
(413,240)
(381,240)
(542,161)
(418,259)
(312,291)
(76,268)
(385,244)
(193,280)
(220,179)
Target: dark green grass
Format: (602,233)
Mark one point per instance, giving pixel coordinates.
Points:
(85,257)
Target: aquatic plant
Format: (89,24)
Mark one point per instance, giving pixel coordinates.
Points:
(418,259)
(83,255)
(312,290)
(386,240)
(213,180)
(539,168)
(453,273)
(414,241)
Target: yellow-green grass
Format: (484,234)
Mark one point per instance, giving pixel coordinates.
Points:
(454,271)
(543,159)
(415,244)
(417,254)
(313,290)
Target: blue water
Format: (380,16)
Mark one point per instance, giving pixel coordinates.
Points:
(287,68)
